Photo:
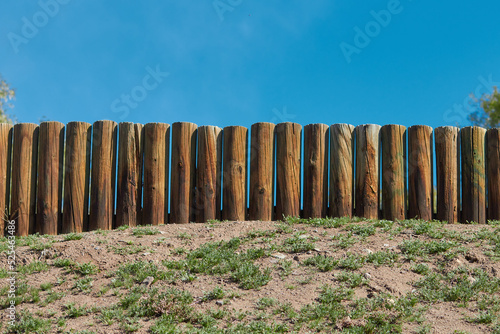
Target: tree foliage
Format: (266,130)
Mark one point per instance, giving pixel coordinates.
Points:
(488,113)
(6,96)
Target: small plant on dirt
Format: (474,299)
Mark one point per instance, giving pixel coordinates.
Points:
(351,280)
(52,296)
(420,268)
(127,250)
(73,311)
(216,293)
(285,267)
(323,263)
(85,269)
(297,244)
(26,323)
(46,286)
(64,263)
(83,285)
(264,303)
(141,231)
(33,267)
(382,258)
(73,236)
(351,262)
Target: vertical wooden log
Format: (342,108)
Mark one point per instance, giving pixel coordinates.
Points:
(129,181)
(5,163)
(367,171)
(50,177)
(393,138)
(262,172)
(76,178)
(234,201)
(156,148)
(209,173)
(341,170)
(102,188)
(473,175)
(315,170)
(183,173)
(493,172)
(24,160)
(447,173)
(420,172)
(288,140)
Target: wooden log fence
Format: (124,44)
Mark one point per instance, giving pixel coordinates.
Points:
(57,178)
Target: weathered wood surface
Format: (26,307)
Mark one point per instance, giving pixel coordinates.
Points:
(473,174)
(5,164)
(262,151)
(183,173)
(393,139)
(315,203)
(77,177)
(234,201)
(288,150)
(24,162)
(156,157)
(447,143)
(493,172)
(50,177)
(209,174)
(420,172)
(103,171)
(367,171)
(129,180)
(341,170)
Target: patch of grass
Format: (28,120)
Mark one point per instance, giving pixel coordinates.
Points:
(264,303)
(85,269)
(126,250)
(73,311)
(351,262)
(27,323)
(215,294)
(184,236)
(46,286)
(64,263)
(382,258)
(219,258)
(351,280)
(73,236)
(323,263)
(296,244)
(364,230)
(33,267)
(419,248)
(52,296)
(84,284)
(141,231)
(421,268)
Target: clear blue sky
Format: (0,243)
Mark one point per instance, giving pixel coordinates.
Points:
(237,62)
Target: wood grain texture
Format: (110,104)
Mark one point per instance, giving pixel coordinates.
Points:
(341,170)
(288,151)
(261,205)
(473,174)
(316,140)
(102,189)
(24,162)
(367,171)
(50,177)
(129,181)
(393,138)
(209,174)
(447,143)
(420,172)
(493,172)
(234,201)
(156,149)
(76,177)
(183,174)
(5,164)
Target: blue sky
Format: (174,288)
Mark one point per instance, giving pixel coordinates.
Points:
(238,62)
